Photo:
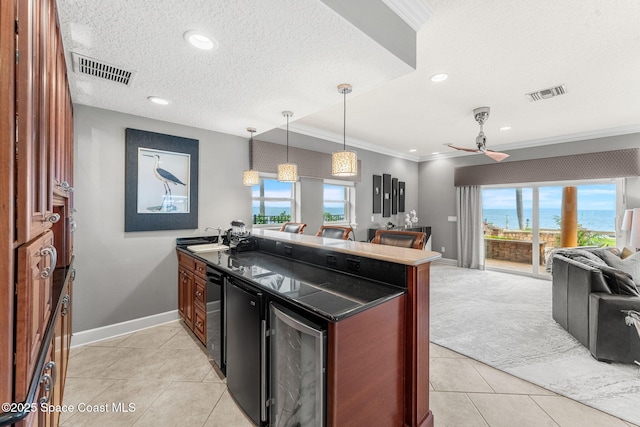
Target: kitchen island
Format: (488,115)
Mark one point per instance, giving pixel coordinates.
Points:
(372,300)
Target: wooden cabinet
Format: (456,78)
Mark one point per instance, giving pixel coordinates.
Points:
(51,376)
(36,262)
(192,294)
(36,159)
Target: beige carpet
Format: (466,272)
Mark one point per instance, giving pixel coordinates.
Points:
(505,321)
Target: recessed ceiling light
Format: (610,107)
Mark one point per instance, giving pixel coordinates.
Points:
(413,150)
(436,152)
(439,77)
(505,128)
(200,41)
(158,100)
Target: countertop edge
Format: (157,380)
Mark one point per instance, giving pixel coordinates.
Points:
(398,255)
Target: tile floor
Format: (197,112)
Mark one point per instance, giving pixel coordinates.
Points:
(167,378)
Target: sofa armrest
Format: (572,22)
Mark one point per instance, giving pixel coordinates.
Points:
(572,284)
(610,339)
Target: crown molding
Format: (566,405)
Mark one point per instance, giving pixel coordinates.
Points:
(352,142)
(414,12)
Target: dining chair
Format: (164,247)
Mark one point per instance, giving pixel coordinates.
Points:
(334,232)
(293,227)
(406,239)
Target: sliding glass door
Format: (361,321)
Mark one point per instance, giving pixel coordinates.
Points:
(522,224)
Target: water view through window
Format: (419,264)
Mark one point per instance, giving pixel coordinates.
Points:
(272,202)
(522,225)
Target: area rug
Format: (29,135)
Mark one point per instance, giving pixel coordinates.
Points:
(504,321)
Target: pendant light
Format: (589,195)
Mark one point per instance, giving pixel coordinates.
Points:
(287,172)
(344,163)
(250,177)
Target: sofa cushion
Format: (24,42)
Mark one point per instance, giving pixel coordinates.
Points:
(619,282)
(630,264)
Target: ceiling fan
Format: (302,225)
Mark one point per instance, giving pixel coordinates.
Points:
(481,115)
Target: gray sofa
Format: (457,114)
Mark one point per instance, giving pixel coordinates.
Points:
(590,293)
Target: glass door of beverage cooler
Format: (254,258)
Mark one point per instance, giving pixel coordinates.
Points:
(297,379)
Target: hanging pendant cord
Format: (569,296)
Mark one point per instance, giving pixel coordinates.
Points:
(251,152)
(344,121)
(287,138)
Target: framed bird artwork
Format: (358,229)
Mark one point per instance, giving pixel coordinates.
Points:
(161,179)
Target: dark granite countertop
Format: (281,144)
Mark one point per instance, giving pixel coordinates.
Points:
(329,294)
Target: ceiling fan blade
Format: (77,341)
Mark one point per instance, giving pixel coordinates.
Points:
(498,157)
(464,149)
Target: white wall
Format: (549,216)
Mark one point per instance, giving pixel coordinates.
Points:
(437,193)
(123,276)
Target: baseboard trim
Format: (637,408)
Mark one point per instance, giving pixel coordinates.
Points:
(447,261)
(111,331)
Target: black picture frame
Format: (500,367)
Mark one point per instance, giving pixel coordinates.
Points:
(401,194)
(386,195)
(147,182)
(394,196)
(377,194)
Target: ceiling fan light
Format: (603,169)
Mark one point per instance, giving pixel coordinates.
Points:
(344,163)
(287,172)
(250,177)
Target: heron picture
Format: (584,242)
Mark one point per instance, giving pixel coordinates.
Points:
(163,181)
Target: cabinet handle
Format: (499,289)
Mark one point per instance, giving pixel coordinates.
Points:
(198,294)
(52,218)
(72,226)
(49,250)
(65,305)
(199,325)
(65,186)
(73,274)
(48,380)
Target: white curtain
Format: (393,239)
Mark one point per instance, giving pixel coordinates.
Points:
(470,233)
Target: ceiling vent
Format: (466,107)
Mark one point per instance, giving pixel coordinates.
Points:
(546,93)
(93,67)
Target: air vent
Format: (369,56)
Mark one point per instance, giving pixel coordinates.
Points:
(93,67)
(546,93)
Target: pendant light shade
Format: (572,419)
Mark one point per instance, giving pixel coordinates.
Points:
(287,172)
(344,163)
(250,177)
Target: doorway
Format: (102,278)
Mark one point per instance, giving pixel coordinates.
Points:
(522,223)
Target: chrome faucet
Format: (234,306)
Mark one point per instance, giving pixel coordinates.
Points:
(219,232)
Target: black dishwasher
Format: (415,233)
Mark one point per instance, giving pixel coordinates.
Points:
(215,317)
(245,347)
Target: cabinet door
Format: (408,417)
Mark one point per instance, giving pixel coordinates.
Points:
(185,295)
(36,262)
(33,192)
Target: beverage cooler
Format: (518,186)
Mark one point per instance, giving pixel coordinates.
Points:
(297,370)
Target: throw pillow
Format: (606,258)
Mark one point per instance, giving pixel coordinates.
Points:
(630,264)
(626,252)
(619,282)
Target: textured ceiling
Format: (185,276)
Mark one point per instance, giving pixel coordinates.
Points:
(291,54)
(273,55)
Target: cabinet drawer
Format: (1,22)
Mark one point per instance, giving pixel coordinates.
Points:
(186,261)
(200,323)
(200,293)
(200,268)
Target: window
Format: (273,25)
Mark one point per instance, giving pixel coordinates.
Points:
(273,202)
(522,225)
(336,203)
